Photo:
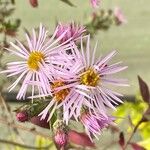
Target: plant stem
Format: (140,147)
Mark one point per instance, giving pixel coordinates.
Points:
(23,146)
(133,132)
(33,131)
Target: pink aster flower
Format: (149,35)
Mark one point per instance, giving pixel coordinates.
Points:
(63,96)
(119,16)
(88,82)
(74,31)
(94,124)
(95,3)
(59,79)
(35,57)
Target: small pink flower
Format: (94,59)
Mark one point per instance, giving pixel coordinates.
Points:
(61,138)
(73,31)
(95,3)
(94,123)
(120,18)
(22,116)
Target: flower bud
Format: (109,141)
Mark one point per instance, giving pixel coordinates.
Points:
(61,138)
(72,30)
(119,16)
(34,3)
(22,116)
(95,123)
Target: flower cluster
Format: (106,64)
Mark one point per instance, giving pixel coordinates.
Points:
(70,73)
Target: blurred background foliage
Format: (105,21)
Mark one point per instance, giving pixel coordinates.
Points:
(131,40)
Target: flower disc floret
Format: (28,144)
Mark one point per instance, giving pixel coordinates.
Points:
(90,77)
(34,59)
(60,95)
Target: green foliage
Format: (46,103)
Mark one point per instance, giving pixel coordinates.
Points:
(134,112)
(100,20)
(8,26)
(33,108)
(41,142)
(132,109)
(145,143)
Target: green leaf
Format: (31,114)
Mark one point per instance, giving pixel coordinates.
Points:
(13,2)
(145,143)
(145,130)
(41,142)
(53,119)
(122,111)
(33,109)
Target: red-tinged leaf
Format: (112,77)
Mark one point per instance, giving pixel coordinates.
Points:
(81,139)
(34,3)
(144,90)
(114,128)
(68,3)
(42,123)
(121,139)
(135,146)
(146,116)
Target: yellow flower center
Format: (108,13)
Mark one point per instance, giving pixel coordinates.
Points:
(90,77)
(34,59)
(60,95)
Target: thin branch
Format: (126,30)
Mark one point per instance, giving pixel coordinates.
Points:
(135,129)
(31,130)
(8,110)
(132,134)
(24,146)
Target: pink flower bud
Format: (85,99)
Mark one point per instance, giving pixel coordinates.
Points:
(61,138)
(22,116)
(72,30)
(95,123)
(34,3)
(119,16)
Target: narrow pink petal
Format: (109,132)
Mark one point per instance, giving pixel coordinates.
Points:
(29,43)
(107,58)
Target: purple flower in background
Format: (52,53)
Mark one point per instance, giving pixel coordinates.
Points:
(95,3)
(35,57)
(119,16)
(74,31)
(95,123)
